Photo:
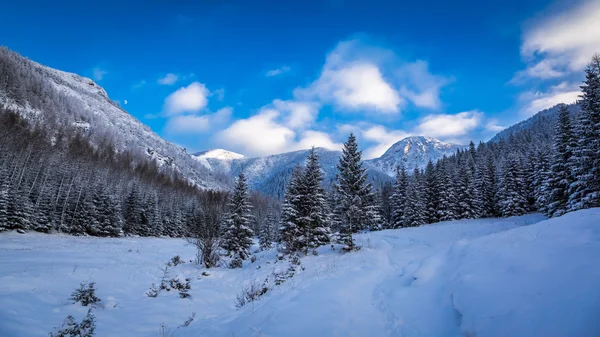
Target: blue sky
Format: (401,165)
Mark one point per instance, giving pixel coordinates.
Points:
(263,77)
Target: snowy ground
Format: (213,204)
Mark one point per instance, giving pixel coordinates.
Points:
(520,276)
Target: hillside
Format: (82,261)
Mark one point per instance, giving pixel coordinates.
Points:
(519,276)
(58,99)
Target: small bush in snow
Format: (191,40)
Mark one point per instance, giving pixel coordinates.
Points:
(253,258)
(251,293)
(85,294)
(70,328)
(153,292)
(236,263)
(205,273)
(176,260)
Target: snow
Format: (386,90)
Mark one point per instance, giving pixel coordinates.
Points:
(519,276)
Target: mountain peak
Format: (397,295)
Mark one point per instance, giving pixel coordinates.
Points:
(413,152)
(218,154)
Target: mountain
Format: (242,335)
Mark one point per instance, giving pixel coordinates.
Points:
(413,152)
(539,126)
(270,174)
(62,100)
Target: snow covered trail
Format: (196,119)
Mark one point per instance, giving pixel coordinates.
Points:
(520,276)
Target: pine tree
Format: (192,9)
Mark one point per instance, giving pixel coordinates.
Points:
(108,215)
(584,192)
(132,212)
(484,184)
(539,182)
(511,198)
(465,190)
(398,198)
(289,231)
(313,217)
(266,230)
(384,198)
(4,202)
(355,201)
(238,236)
(561,178)
(447,195)
(414,210)
(19,212)
(430,193)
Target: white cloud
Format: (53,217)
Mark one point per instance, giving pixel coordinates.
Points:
(420,86)
(448,125)
(188,124)
(493,126)
(168,79)
(266,133)
(198,123)
(562,43)
(534,102)
(382,138)
(258,135)
(545,69)
(312,138)
(223,115)
(358,77)
(351,81)
(278,71)
(297,115)
(219,94)
(187,99)
(98,74)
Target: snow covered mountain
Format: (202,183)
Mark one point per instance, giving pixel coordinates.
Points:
(270,174)
(413,152)
(58,99)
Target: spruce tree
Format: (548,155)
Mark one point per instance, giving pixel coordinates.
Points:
(266,230)
(511,198)
(289,231)
(132,212)
(355,201)
(539,182)
(584,192)
(398,198)
(414,210)
(447,195)
(4,202)
(484,183)
(313,217)
(430,193)
(237,239)
(561,178)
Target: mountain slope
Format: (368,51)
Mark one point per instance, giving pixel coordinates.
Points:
(413,152)
(58,99)
(540,125)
